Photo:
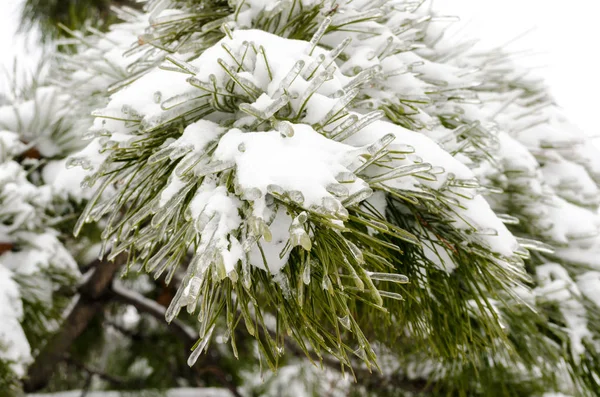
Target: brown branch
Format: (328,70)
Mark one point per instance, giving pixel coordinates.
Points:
(156,310)
(84,308)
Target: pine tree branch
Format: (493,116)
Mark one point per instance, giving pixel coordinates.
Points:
(85,305)
(156,310)
(184,332)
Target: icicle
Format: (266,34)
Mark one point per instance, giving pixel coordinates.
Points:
(180,100)
(192,292)
(386,49)
(380,144)
(464,183)
(269,111)
(333,54)
(308,72)
(392,295)
(201,346)
(401,172)
(227,30)
(298,236)
(252,111)
(339,106)
(330,204)
(259,227)
(246,276)
(507,219)
(306,271)
(285,128)
(360,353)
(345,321)
(356,252)
(187,67)
(360,286)
(357,197)
(219,271)
(188,163)
(315,83)
(251,194)
(326,284)
(249,242)
(276,105)
(291,76)
(345,177)
(283,282)
(151,123)
(363,77)
(79,162)
(276,190)
(535,245)
(392,277)
(352,119)
(337,190)
(180,151)
(175,305)
(361,123)
(314,41)
(213,167)
(296,196)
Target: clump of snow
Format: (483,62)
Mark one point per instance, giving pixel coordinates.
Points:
(307,163)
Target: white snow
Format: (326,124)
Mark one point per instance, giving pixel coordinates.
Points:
(306,162)
(14,346)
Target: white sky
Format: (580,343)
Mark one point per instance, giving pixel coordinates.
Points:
(567,34)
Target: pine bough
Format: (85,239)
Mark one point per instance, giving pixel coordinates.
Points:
(336,174)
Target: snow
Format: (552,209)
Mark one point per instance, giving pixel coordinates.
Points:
(475,213)
(589,285)
(14,346)
(66,180)
(213,202)
(36,118)
(306,162)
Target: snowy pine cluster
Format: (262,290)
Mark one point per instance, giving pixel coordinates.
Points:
(332,179)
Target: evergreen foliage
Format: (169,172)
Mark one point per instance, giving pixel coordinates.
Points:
(56,17)
(312,182)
